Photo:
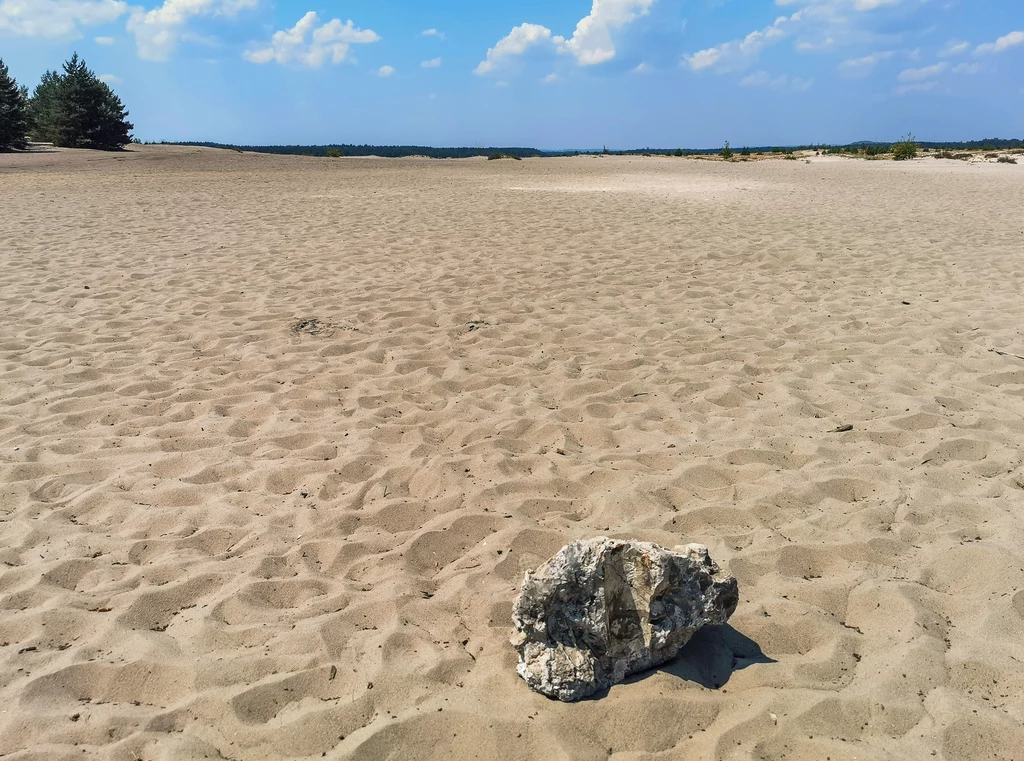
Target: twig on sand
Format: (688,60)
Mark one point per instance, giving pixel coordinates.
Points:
(1006,354)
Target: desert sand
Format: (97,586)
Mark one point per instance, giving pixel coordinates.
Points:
(279,437)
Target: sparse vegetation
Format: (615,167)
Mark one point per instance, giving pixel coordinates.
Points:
(496,156)
(745,151)
(679,152)
(1006,160)
(333,153)
(726,152)
(905,149)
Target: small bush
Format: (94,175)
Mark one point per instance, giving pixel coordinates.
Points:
(679,152)
(726,152)
(905,149)
(991,155)
(496,156)
(333,153)
(1006,160)
(745,151)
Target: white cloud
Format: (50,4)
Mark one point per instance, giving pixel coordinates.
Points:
(433,33)
(592,42)
(641,68)
(967,68)
(1005,42)
(56,18)
(103,40)
(433,63)
(919,87)
(954,47)
(517,42)
(385,71)
(739,54)
(111,79)
(782,82)
(550,79)
(157,31)
(870,5)
(307,44)
(864,65)
(920,75)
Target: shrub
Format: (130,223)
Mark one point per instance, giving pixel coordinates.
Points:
(905,149)
(726,152)
(333,153)
(745,151)
(679,152)
(1006,160)
(496,156)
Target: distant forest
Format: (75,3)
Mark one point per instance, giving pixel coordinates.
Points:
(386,151)
(399,151)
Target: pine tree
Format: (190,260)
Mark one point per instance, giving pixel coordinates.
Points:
(13,112)
(114,128)
(75,109)
(44,109)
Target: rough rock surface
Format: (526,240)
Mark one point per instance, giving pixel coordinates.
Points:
(604,608)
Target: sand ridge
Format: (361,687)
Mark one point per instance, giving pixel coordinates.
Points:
(228,531)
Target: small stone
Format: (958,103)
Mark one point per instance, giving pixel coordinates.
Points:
(602,609)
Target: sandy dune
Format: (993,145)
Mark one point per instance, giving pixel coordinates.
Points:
(225,537)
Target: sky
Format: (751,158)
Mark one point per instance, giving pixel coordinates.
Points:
(551,74)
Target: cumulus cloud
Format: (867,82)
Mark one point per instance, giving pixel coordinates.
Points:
(385,71)
(762,79)
(433,63)
(56,18)
(592,42)
(158,31)
(739,54)
(920,75)
(859,67)
(954,47)
(103,40)
(550,79)
(111,79)
(433,33)
(311,44)
(517,42)
(1005,42)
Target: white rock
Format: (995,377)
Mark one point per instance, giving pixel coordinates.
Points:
(602,609)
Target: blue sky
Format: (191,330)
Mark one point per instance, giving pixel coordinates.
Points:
(548,74)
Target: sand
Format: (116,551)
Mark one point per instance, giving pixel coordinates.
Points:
(279,437)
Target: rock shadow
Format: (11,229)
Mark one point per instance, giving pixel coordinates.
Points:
(713,655)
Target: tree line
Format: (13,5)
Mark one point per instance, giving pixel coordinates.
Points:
(71,108)
(386,151)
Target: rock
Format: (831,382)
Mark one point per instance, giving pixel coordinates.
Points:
(602,609)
